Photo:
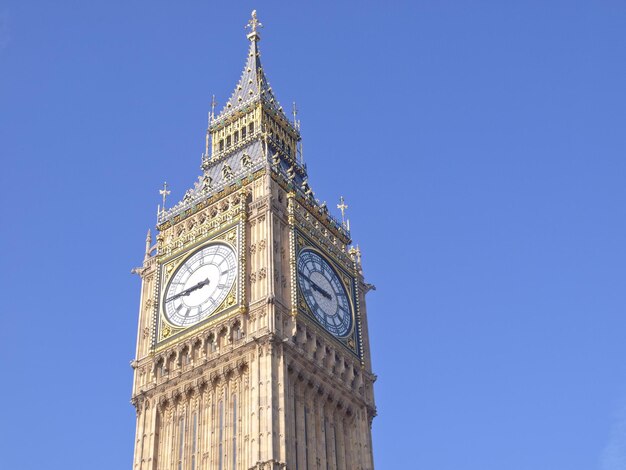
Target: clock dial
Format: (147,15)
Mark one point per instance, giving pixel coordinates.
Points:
(324,293)
(200,284)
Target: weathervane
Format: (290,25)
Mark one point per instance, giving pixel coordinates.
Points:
(254,24)
(342,207)
(164,192)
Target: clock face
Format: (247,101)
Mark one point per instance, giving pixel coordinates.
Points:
(200,284)
(324,293)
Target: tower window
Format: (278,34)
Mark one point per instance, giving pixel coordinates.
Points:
(243,132)
(181,441)
(236,136)
(228,141)
(251,128)
(306,436)
(185,357)
(325,431)
(194,441)
(234,431)
(221,435)
(221,145)
(295,422)
(336,448)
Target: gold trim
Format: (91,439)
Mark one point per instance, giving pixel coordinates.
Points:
(170,264)
(233,188)
(348,290)
(193,330)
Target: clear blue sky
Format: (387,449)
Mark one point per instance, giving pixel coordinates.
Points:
(480,146)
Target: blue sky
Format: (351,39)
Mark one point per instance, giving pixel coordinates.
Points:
(480,147)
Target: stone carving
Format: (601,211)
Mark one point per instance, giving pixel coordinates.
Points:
(246,162)
(227,172)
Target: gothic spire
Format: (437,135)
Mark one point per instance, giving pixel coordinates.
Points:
(253,85)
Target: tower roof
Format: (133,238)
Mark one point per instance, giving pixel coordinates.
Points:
(266,140)
(253,85)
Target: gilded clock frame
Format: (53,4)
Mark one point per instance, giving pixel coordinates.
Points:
(231,235)
(352,340)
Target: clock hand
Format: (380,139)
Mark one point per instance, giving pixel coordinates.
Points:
(321,291)
(189,290)
(316,287)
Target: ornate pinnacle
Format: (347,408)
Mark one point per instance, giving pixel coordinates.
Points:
(208,130)
(148,243)
(213,104)
(254,24)
(355,252)
(296,123)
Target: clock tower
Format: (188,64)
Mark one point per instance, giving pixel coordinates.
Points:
(252,345)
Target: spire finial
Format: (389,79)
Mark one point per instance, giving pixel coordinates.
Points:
(254,24)
(164,192)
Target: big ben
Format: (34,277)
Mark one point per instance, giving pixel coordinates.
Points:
(252,345)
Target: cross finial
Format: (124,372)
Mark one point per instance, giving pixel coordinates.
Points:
(164,192)
(254,24)
(342,207)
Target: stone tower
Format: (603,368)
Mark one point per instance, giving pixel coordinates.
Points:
(252,345)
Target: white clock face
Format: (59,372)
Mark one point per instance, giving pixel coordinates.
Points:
(324,293)
(200,284)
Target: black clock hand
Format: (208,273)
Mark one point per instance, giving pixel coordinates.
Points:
(321,291)
(316,287)
(189,290)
